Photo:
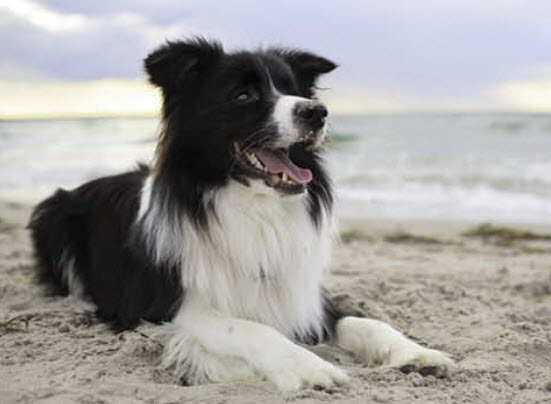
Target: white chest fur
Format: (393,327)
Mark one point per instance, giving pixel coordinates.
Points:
(262,259)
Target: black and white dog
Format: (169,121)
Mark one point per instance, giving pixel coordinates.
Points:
(227,237)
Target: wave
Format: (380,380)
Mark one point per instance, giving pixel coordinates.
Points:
(477,167)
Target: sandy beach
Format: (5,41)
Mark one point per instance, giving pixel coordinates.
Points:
(485,300)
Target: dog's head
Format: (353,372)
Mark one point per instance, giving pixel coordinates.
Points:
(251,116)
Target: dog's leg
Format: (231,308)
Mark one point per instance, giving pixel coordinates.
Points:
(377,343)
(211,347)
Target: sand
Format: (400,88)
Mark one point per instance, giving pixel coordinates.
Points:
(486,302)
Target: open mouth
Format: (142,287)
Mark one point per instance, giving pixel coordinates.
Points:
(274,167)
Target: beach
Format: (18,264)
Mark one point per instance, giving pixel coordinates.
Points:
(483,297)
(422,127)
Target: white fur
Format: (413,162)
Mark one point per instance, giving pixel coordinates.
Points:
(377,343)
(161,228)
(260,259)
(69,276)
(145,197)
(208,346)
(284,117)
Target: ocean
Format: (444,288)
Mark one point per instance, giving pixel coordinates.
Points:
(474,167)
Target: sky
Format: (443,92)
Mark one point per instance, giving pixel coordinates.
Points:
(75,57)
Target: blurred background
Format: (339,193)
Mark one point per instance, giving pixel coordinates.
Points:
(440,110)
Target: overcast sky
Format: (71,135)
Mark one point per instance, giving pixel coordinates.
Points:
(393,55)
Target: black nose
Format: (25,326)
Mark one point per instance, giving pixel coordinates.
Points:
(312,113)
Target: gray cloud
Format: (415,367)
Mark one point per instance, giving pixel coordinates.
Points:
(455,49)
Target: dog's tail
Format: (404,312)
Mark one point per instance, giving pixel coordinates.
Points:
(54,227)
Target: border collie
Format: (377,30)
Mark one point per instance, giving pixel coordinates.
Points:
(225,240)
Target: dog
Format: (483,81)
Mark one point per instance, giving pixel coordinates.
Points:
(225,239)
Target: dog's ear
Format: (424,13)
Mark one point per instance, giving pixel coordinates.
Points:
(169,65)
(306,66)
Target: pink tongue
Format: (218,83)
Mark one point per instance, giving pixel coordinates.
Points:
(278,162)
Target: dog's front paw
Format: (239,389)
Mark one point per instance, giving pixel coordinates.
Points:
(300,368)
(425,361)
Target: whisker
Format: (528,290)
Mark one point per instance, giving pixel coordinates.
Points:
(251,144)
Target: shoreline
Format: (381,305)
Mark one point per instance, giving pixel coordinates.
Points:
(20,212)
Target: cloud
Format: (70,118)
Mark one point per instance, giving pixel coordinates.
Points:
(397,55)
(95,97)
(41,17)
(527,95)
(77,46)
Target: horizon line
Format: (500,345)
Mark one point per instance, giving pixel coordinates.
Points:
(152,114)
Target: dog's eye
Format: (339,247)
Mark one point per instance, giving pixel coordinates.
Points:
(247,96)
(243,97)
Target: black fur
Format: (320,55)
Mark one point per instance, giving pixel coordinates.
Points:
(92,225)
(95,224)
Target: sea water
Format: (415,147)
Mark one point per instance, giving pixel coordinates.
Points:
(477,167)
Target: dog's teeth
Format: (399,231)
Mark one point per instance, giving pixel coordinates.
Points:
(255,162)
(284,177)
